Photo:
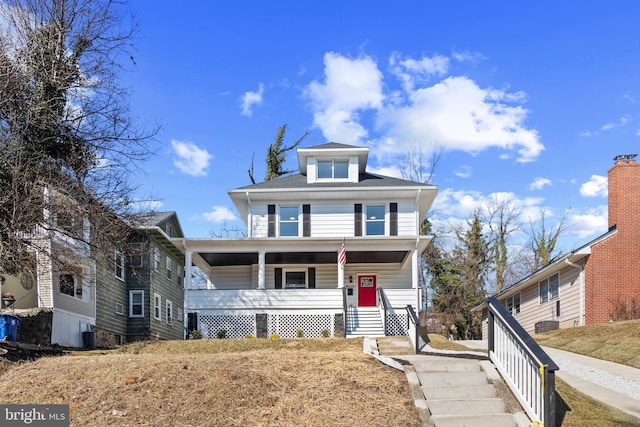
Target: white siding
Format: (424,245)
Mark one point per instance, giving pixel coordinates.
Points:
(531,311)
(232,277)
(332,219)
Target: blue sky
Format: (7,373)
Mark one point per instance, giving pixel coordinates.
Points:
(526,102)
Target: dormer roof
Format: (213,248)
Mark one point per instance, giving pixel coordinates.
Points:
(332,150)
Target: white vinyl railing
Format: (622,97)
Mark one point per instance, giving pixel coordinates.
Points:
(525,367)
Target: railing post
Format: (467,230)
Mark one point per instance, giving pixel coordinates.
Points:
(549,398)
(490,332)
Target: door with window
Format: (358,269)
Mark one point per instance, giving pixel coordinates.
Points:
(367,291)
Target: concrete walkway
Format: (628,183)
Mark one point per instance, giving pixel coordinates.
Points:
(611,383)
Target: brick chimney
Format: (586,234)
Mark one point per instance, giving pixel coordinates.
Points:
(624,192)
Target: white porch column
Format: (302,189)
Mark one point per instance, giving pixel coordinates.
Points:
(340,276)
(261,269)
(414,268)
(187,283)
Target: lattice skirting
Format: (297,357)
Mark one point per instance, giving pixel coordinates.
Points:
(396,324)
(286,325)
(227,325)
(311,325)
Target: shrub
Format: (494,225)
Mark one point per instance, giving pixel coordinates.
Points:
(197,335)
(300,333)
(274,337)
(249,336)
(222,334)
(325,333)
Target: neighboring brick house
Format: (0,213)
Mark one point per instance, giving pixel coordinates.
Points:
(595,283)
(71,290)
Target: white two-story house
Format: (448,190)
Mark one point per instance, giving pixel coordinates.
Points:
(288,277)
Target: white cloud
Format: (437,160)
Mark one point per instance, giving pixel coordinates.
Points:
(595,187)
(459,115)
(219,214)
(612,125)
(146,205)
(455,113)
(463,171)
(539,183)
(191,160)
(411,71)
(350,85)
(468,56)
(250,99)
(393,171)
(628,97)
(592,222)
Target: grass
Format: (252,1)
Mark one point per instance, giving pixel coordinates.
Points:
(616,341)
(257,382)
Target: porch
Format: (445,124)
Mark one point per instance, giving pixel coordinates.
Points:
(290,313)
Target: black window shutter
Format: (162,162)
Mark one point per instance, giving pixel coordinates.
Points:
(312,277)
(393,219)
(357,213)
(306,220)
(192,321)
(278,278)
(271,231)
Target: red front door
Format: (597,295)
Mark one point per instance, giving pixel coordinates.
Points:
(367,291)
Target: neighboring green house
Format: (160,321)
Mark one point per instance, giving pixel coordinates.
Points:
(74,297)
(155,280)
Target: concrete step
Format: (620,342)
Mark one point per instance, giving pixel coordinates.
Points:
(459,392)
(438,379)
(487,420)
(478,406)
(447,365)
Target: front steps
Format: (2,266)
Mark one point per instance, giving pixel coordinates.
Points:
(364,322)
(455,392)
(458,393)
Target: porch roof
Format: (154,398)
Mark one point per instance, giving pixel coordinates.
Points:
(208,253)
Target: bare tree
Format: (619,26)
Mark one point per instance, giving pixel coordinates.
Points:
(416,168)
(67,140)
(503,219)
(543,241)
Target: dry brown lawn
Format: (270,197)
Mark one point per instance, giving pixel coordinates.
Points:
(249,382)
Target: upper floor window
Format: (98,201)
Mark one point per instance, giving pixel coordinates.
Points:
(375,220)
(169,267)
(119,265)
(169,230)
(156,259)
(333,169)
(169,309)
(157,307)
(548,288)
(289,220)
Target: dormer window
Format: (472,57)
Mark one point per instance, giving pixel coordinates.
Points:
(333,169)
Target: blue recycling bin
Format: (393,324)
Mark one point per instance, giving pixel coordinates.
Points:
(9,327)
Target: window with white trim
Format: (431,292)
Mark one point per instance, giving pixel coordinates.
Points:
(169,230)
(333,169)
(157,307)
(295,279)
(548,288)
(169,266)
(156,259)
(119,265)
(169,308)
(513,304)
(119,309)
(136,303)
(289,219)
(375,220)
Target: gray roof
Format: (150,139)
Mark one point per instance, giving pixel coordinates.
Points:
(300,181)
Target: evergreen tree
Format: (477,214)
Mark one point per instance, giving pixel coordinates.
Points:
(276,154)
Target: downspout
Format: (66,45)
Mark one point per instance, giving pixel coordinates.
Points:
(581,268)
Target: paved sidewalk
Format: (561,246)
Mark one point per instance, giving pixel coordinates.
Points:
(611,383)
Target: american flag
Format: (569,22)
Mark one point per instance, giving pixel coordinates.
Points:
(342,255)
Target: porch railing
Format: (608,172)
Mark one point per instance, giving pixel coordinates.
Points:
(383,307)
(413,329)
(525,367)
